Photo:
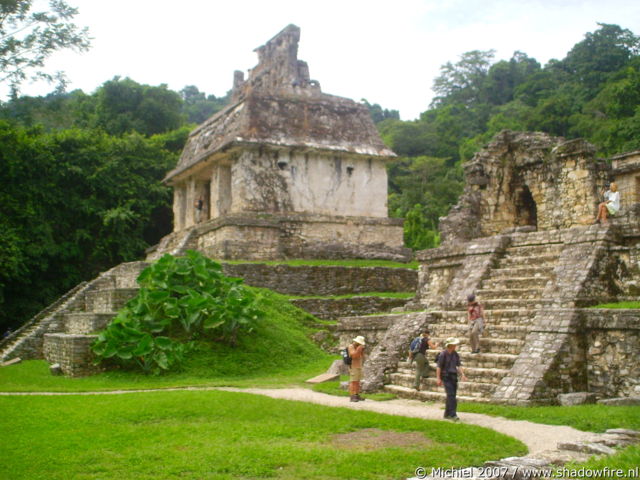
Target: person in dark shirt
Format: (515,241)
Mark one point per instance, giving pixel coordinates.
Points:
(422,365)
(449,366)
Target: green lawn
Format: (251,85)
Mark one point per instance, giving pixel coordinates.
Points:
(221,435)
(588,418)
(618,305)
(333,388)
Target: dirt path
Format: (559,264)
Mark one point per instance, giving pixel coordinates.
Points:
(535,436)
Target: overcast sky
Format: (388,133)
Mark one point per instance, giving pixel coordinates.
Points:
(387,52)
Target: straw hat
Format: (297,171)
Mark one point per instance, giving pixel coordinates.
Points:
(359,339)
(451,341)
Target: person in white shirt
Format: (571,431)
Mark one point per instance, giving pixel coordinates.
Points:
(611,204)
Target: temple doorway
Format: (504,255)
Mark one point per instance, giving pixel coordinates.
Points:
(526,210)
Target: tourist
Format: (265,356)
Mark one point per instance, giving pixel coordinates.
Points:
(475,315)
(356,352)
(420,356)
(449,366)
(199,205)
(611,204)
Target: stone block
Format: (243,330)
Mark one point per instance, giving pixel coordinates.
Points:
(577,398)
(622,401)
(324,377)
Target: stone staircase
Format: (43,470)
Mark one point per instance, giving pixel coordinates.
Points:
(511,293)
(55,333)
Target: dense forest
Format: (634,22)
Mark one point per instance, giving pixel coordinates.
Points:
(80,172)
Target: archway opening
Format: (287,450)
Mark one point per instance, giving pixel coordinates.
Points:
(526,210)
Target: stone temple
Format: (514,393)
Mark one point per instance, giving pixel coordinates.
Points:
(284,171)
(522,239)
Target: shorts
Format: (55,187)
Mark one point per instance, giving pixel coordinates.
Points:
(355,374)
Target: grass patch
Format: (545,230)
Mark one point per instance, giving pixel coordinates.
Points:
(220,435)
(353,295)
(618,305)
(333,388)
(626,460)
(333,263)
(588,418)
(278,352)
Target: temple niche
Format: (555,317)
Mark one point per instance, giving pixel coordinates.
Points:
(285,171)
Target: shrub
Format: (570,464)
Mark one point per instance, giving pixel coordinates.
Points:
(181,299)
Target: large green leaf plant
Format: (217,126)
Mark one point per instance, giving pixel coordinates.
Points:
(181,299)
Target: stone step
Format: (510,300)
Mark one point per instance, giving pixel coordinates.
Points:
(542,260)
(485,375)
(470,388)
(514,303)
(491,330)
(486,294)
(521,271)
(82,323)
(515,282)
(503,361)
(427,396)
(109,300)
(535,250)
(494,317)
(488,345)
(128,273)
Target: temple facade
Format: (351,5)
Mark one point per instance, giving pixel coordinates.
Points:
(284,171)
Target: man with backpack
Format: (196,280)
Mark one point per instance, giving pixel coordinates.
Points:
(418,352)
(356,352)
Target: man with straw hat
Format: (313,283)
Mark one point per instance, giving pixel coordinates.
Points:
(449,366)
(356,352)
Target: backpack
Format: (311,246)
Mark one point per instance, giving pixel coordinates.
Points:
(346,358)
(415,345)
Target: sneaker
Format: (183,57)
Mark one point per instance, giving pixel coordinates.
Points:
(454,418)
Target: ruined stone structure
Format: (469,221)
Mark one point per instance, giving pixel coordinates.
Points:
(521,238)
(284,171)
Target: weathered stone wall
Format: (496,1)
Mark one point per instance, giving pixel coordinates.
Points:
(527,179)
(372,327)
(451,272)
(612,339)
(273,237)
(323,280)
(390,345)
(71,352)
(626,173)
(273,180)
(330,309)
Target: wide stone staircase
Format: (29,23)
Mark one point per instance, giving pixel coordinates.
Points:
(511,293)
